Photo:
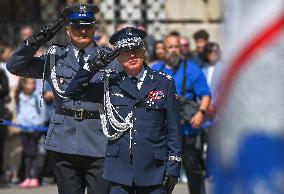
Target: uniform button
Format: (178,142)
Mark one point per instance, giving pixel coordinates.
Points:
(134,107)
(135,119)
(135,143)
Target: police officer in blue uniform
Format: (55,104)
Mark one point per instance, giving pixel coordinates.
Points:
(140,119)
(191,85)
(75,134)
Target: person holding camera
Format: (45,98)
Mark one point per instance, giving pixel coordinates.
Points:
(194,96)
(74,134)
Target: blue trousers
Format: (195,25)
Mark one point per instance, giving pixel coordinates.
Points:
(125,189)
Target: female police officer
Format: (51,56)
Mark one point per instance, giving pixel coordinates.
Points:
(74,133)
(139,117)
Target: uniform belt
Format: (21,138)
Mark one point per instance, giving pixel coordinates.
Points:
(78,114)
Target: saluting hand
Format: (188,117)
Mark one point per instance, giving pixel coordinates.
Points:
(46,33)
(102,59)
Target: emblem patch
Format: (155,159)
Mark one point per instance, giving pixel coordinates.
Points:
(83,9)
(61,80)
(129,32)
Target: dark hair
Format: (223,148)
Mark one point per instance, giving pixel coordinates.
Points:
(210,46)
(174,33)
(19,88)
(201,34)
(154,56)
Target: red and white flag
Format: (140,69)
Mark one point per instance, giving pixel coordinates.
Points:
(247,143)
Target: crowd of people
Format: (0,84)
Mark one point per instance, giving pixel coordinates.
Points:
(191,66)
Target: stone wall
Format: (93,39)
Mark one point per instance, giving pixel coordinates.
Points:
(163,16)
(195,15)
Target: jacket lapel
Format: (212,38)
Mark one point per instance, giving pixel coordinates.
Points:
(71,59)
(148,85)
(126,85)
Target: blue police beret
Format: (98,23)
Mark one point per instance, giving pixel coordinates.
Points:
(80,13)
(127,38)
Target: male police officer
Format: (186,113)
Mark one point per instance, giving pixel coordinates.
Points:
(140,119)
(191,84)
(75,132)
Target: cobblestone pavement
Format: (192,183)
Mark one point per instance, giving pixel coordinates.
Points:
(180,189)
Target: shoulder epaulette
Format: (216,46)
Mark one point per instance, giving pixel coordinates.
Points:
(53,47)
(164,74)
(109,71)
(58,45)
(106,48)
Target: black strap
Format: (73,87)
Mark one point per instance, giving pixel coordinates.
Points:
(182,93)
(79,114)
(184,63)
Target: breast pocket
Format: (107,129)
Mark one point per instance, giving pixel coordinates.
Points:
(112,150)
(120,103)
(155,110)
(64,76)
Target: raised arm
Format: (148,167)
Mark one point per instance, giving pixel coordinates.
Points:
(82,78)
(23,63)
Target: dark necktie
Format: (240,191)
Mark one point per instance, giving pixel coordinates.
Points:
(134,82)
(81,57)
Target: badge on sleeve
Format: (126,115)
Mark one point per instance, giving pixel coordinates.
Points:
(156,95)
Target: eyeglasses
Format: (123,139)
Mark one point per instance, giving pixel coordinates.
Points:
(134,51)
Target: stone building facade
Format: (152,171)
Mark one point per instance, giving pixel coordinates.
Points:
(158,16)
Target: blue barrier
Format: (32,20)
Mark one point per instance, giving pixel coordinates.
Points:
(204,125)
(33,128)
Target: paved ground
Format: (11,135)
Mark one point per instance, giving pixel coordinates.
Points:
(180,189)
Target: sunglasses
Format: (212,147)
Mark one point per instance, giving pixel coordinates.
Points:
(82,26)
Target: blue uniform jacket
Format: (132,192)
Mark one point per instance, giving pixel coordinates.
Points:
(155,133)
(196,85)
(65,133)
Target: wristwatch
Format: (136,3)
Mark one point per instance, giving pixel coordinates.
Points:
(202,111)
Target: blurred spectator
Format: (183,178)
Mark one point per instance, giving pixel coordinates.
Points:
(174,33)
(101,38)
(212,57)
(201,38)
(149,42)
(159,52)
(4,98)
(49,160)
(28,102)
(185,47)
(6,52)
(25,32)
